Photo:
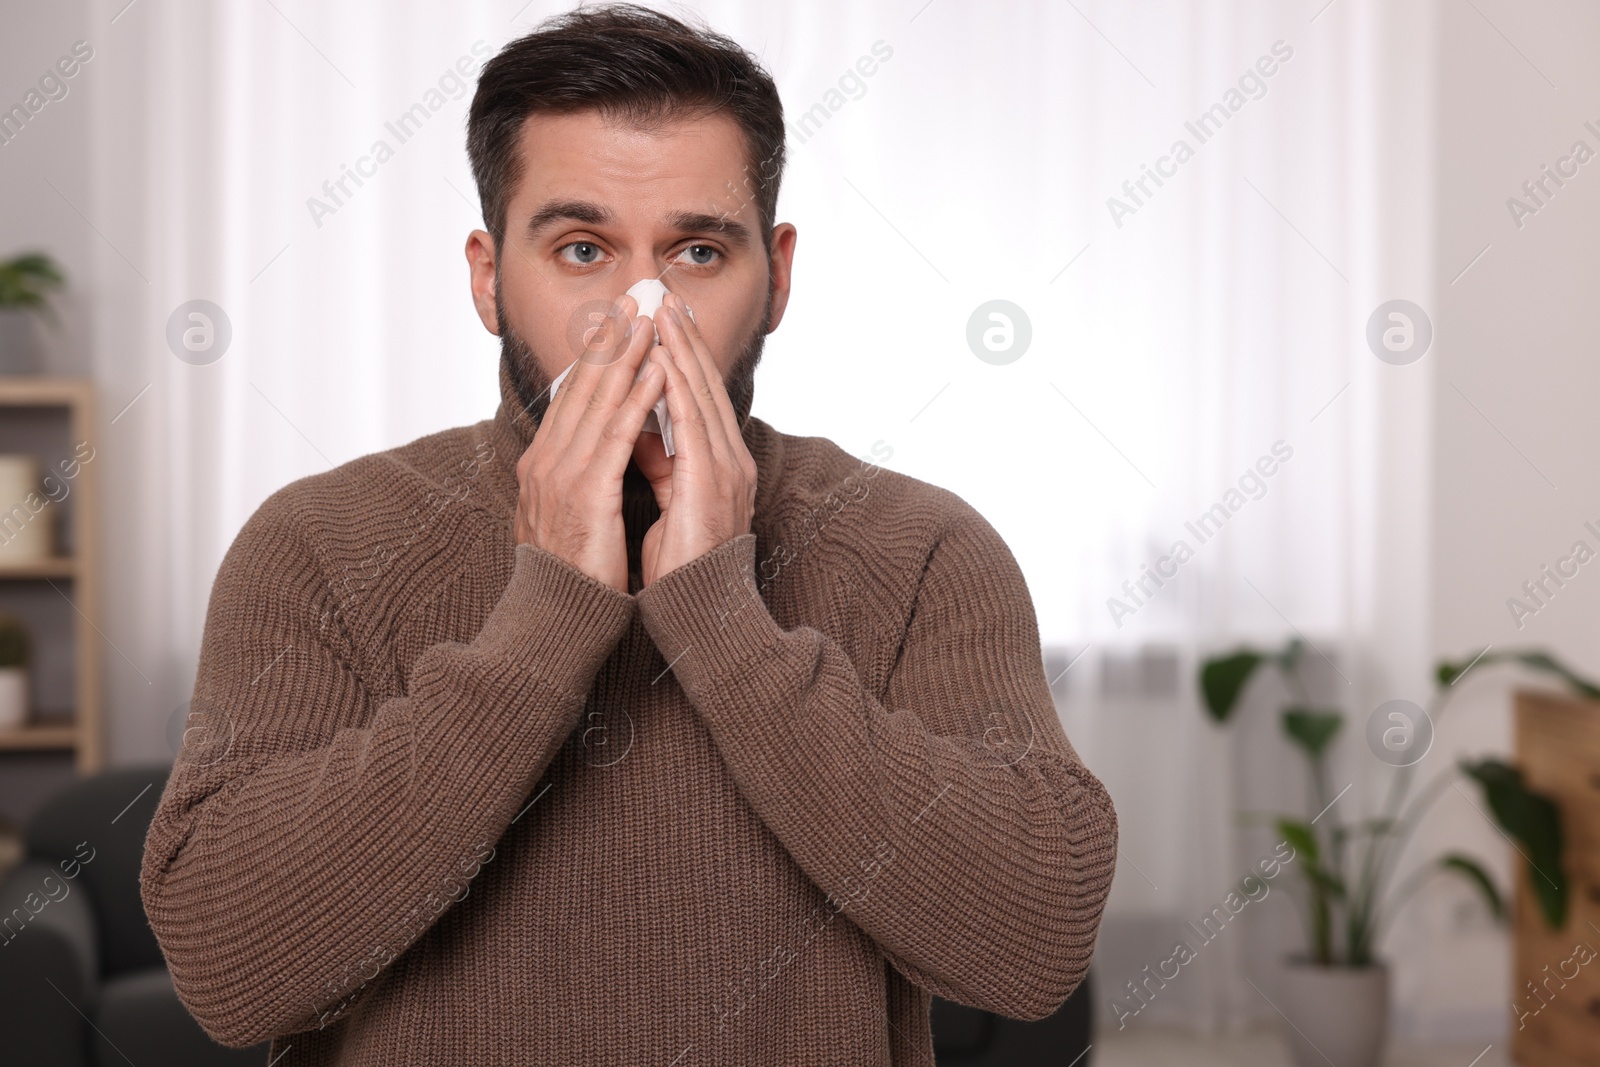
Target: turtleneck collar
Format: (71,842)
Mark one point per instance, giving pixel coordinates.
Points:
(513,428)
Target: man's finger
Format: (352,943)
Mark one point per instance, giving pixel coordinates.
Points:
(586,379)
(717,388)
(627,422)
(684,409)
(692,366)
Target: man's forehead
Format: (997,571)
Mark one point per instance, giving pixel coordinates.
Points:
(699,162)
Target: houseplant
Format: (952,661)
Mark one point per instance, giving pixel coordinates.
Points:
(1335,995)
(25,282)
(15,655)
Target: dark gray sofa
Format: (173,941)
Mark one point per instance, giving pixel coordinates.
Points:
(82,980)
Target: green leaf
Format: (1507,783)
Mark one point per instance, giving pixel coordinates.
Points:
(1300,836)
(1448,672)
(1534,660)
(1534,822)
(1468,868)
(1289,658)
(1543,661)
(1304,839)
(36,265)
(25,279)
(1223,678)
(1311,729)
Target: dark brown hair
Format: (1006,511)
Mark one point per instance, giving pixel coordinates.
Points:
(627,62)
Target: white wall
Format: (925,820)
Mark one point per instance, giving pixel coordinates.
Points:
(51,150)
(1516,377)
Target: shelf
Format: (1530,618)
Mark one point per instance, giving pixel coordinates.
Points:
(49,734)
(50,417)
(54,567)
(30,391)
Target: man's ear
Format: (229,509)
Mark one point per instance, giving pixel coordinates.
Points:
(781,263)
(481,264)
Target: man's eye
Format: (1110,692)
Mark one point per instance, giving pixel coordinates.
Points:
(586,252)
(700,255)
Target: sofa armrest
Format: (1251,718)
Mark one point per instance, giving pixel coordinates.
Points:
(36,898)
(48,968)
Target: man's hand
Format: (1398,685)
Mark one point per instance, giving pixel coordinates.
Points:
(569,497)
(707,489)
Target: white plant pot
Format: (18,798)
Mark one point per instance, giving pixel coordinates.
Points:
(19,342)
(13,697)
(1334,1014)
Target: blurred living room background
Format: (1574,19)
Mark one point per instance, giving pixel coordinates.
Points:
(1305,286)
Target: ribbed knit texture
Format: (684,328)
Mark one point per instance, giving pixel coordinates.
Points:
(458,803)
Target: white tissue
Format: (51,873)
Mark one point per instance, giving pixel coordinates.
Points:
(649,292)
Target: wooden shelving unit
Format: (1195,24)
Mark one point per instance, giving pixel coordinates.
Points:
(1556,989)
(37,414)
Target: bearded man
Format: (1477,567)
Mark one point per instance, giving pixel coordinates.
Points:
(546,746)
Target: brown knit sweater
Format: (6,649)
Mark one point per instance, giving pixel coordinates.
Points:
(455,802)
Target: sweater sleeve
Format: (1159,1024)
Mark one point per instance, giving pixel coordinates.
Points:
(310,832)
(952,821)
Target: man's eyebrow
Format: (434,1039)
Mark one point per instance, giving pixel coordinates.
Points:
(568,210)
(700,222)
(593,214)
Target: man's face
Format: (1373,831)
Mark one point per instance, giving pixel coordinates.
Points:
(603,204)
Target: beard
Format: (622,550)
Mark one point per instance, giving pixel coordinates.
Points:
(533,384)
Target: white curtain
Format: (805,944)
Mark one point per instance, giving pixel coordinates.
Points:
(1172,345)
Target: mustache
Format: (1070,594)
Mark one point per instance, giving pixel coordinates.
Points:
(532,383)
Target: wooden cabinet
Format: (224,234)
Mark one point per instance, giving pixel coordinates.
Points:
(58,597)
(1556,988)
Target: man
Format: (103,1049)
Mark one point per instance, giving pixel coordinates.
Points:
(533,744)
